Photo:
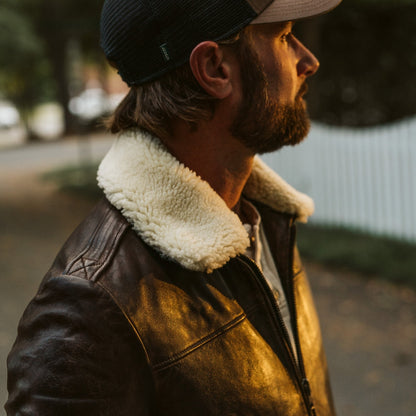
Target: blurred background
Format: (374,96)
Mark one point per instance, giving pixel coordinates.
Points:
(358,164)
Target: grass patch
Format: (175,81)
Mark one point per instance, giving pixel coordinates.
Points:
(77,179)
(372,255)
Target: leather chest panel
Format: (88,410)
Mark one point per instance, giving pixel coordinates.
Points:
(236,373)
(207,336)
(312,348)
(173,310)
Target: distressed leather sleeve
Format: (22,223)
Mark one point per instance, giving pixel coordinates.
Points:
(76,354)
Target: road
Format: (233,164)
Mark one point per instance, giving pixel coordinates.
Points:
(37,156)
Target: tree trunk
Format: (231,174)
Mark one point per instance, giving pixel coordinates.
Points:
(57,51)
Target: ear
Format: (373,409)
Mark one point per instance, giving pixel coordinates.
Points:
(211,69)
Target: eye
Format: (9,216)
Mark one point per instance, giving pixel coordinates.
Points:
(285,37)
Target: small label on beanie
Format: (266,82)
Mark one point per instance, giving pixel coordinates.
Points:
(165,52)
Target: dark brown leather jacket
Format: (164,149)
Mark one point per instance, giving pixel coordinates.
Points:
(156,311)
(116,329)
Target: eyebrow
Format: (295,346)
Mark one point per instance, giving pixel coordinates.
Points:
(284,26)
(276,28)
(289,24)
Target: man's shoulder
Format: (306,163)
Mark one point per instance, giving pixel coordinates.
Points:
(106,251)
(93,244)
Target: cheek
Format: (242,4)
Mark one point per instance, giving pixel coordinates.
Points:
(280,72)
(288,80)
(281,80)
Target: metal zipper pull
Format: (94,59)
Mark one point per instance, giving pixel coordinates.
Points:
(307,388)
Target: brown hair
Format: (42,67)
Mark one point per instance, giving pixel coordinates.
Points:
(176,95)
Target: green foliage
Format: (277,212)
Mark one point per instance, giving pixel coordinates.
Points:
(76,179)
(370,255)
(367,51)
(33,47)
(57,22)
(23,69)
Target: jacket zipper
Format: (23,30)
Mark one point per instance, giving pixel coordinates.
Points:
(298,370)
(293,312)
(273,304)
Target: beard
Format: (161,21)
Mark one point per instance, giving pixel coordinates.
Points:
(262,124)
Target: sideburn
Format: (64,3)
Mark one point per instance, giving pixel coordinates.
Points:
(254,90)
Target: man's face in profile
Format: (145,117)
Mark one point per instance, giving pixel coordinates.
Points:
(274,66)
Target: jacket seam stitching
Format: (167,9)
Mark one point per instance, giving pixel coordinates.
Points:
(116,241)
(68,270)
(98,264)
(298,273)
(178,356)
(85,265)
(109,293)
(254,308)
(135,330)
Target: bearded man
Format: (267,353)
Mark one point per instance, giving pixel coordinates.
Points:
(182,293)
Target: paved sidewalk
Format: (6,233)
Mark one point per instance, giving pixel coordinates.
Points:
(369,330)
(369,326)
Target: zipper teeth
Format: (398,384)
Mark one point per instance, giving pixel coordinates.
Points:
(298,365)
(265,286)
(304,382)
(277,315)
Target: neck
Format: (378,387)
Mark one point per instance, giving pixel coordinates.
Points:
(213,154)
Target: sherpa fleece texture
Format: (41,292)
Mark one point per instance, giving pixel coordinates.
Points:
(176,212)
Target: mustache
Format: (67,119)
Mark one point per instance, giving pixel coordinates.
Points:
(302,90)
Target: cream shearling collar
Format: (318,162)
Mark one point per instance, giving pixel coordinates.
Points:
(179,214)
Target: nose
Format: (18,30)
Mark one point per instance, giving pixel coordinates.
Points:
(307,63)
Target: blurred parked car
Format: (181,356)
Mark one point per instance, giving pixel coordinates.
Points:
(9,116)
(93,103)
(90,105)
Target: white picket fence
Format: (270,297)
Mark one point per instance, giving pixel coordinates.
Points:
(359,178)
